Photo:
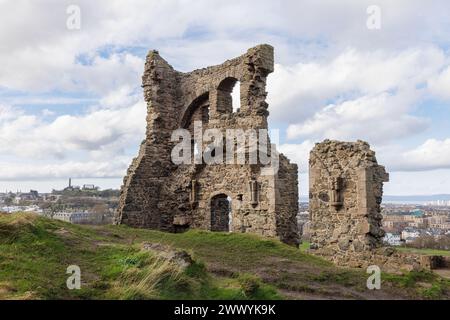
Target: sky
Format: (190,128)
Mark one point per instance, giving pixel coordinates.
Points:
(71,104)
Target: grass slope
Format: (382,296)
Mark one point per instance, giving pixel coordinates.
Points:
(432,252)
(35,252)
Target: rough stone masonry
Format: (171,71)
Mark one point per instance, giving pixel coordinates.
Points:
(346,188)
(159,194)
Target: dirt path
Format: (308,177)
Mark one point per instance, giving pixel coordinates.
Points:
(445,273)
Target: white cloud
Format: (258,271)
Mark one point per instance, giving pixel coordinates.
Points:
(75,169)
(440,85)
(96,143)
(433,154)
(103,132)
(122,96)
(47,113)
(416,171)
(298,153)
(418,183)
(356,95)
(8,113)
(350,82)
(377,119)
(37,39)
(299,91)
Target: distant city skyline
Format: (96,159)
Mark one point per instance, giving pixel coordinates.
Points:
(48,186)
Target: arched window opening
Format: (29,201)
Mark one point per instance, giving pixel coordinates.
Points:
(198,110)
(228,95)
(196,153)
(236,96)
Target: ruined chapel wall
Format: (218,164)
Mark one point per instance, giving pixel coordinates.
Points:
(158,194)
(286,201)
(345,195)
(251,70)
(346,188)
(235,182)
(141,191)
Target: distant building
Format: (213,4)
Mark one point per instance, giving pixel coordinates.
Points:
(70,187)
(78,217)
(86,187)
(306,230)
(416,212)
(439,203)
(393,239)
(442,226)
(63,216)
(85,218)
(394,223)
(437,219)
(302,219)
(89,187)
(28,196)
(410,234)
(12,209)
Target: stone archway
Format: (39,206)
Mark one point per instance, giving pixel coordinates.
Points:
(220,212)
(224,102)
(198,110)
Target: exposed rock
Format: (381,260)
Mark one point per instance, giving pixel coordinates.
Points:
(180,257)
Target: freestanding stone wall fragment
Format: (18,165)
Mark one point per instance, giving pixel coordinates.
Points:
(346,188)
(159,194)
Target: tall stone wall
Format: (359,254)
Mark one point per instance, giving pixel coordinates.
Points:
(346,188)
(159,194)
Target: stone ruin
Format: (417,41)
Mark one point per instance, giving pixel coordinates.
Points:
(346,188)
(346,182)
(159,194)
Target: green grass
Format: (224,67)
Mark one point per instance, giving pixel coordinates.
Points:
(231,248)
(304,246)
(432,252)
(35,252)
(411,279)
(426,284)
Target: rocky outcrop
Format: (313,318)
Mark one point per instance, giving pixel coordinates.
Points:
(181,258)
